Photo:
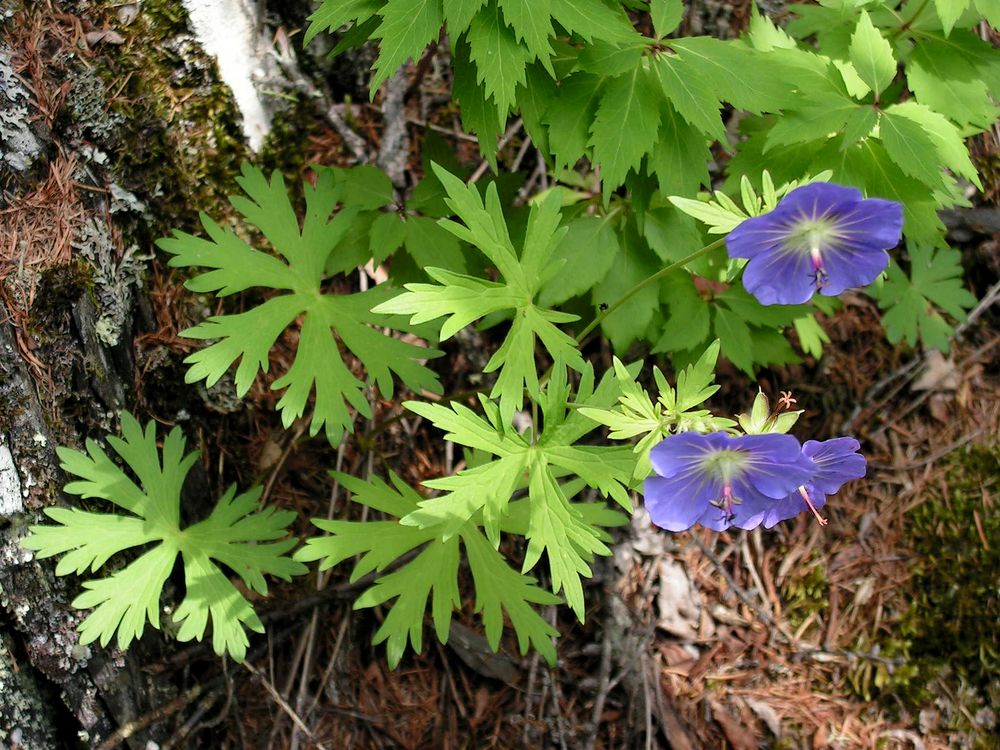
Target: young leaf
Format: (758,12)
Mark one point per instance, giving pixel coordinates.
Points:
(871,55)
(238,535)
(249,336)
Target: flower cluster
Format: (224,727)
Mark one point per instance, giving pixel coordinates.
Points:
(820,237)
(720,480)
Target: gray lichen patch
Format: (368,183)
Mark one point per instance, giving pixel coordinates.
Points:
(115,278)
(11,501)
(24,718)
(88,104)
(18,145)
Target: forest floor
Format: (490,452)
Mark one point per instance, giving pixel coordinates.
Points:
(876,630)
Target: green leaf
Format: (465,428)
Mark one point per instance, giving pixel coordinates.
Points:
(910,129)
(811,335)
(584,256)
(431,575)
(462,300)
(625,126)
(238,535)
(555,526)
(945,80)
(531,22)
(569,117)
(667,15)
(478,116)
(680,158)
(431,246)
(949,11)
(632,265)
(365,188)
(332,14)
(459,13)
(500,60)
(500,590)
(387,234)
(734,335)
(689,321)
(407,27)
(688,95)
(248,337)
(735,73)
(912,304)
(871,55)
(594,20)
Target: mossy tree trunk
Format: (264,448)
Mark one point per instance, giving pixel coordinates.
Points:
(114,127)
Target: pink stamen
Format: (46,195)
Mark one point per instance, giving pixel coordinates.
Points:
(727,497)
(805,496)
(819,272)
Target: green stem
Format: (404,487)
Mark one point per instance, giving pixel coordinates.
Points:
(905,26)
(646,282)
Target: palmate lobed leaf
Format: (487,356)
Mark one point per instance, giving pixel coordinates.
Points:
(319,366)
(238,534)
(461,299)
(483,494)
(912,304)
(432,574)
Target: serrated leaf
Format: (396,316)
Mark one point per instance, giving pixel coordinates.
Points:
(332,14)
(871,55)
(735,73)
(666,15)
(459,13)
(569,117)
(625,126)
(237,534)
(689,95)
(594,20)
(407,27)
(679,160)
(949,11)
(500,61)
(248,337)
(943,79)
(531,23)
(910,127)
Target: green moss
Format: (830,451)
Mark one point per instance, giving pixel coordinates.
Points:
(946,641)
(956,605)
(805,590)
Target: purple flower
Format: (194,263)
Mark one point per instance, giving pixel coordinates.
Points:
(837,461)
(719,480)
(820,237)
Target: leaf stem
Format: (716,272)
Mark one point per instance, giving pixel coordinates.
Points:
(646,282)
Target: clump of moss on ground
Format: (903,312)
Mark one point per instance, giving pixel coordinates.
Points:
(948,636)
(956,606)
